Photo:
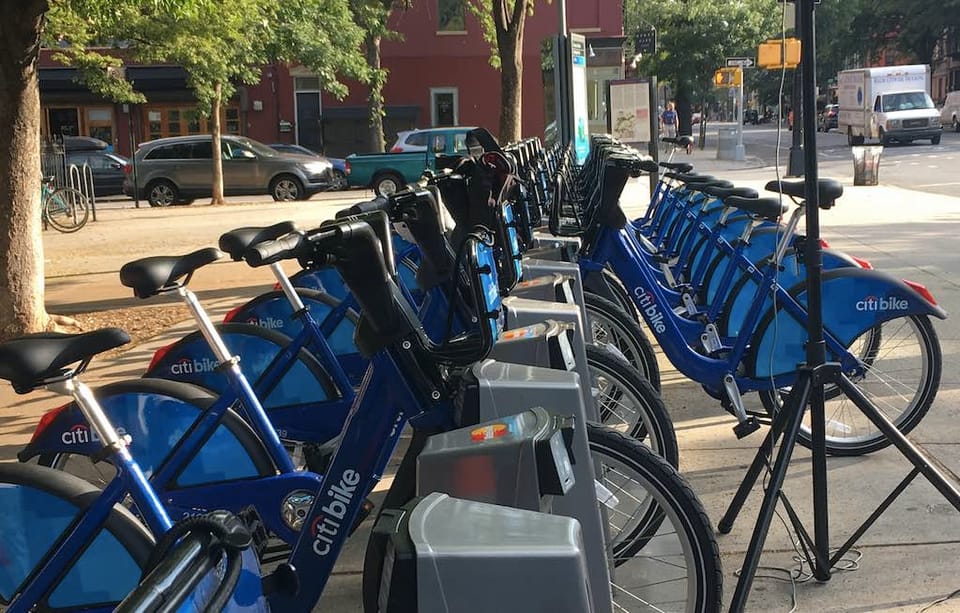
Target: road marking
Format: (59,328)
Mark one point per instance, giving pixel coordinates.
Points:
(938,184)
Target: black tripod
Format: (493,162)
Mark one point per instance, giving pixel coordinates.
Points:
(808,390)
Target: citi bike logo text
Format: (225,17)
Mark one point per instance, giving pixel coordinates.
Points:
(327,525)
(274,323)
(187,366)
(650,309)
(81,434)
(890,303)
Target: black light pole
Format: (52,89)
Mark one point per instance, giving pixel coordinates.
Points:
(795,161)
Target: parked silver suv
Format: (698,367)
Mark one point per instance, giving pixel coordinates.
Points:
(180,168)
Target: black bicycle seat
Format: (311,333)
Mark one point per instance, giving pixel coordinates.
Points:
(28,361)
(828,190)
(236,242)
(150,276)
(766,208)
(702,186)
(725,192)
(652,167)
(689,178)
(682,167)
(684,141)
(671,139)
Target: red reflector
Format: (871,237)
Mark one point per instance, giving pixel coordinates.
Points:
(232,313)
(862,263)
(159,355)
(47,419)
(922,290)
(346,167)
(824,243)
(276,286)
(396,150)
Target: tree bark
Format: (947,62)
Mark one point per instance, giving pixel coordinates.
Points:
(376,141)
(217,197)
(509,28)
(21,245)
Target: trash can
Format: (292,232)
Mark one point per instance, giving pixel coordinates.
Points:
(866,165)
(727,144)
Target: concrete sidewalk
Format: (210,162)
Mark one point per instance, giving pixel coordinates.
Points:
(908,559)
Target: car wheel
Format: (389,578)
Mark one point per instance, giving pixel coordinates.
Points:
(935,140)
(387,184)
(956,124)
(162,193)
(884,139)
(286,188)
(339,181)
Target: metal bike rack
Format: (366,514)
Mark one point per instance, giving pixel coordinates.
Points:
(80,178)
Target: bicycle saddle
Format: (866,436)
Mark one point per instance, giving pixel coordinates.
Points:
(652,167)
(689,178)
(154,275)
(766,208)
(682,167)
(828,190)
(236,242)
(28,361)
(702,186)
(725,192)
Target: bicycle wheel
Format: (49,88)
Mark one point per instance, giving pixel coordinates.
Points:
(38,506)
(608,324)
(901,367)
(628,403)
(663,552)
(66,209)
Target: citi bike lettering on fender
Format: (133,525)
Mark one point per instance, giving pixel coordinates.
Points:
(650,309)
(274,323)
(81,434)
(328,525)
(890,303)
(187,366)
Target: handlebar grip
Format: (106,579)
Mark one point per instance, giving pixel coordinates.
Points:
(268,252)
(380,203)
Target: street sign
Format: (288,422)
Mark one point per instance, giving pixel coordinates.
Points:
(646,41)
(740,62)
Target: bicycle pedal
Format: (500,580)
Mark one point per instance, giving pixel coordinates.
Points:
(746,428)
(365,510)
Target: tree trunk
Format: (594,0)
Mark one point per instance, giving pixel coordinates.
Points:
(21,245)
(510,47)
(376,140)
(215,145)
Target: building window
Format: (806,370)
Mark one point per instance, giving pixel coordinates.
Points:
(180,121)
(450,16)
(443,106)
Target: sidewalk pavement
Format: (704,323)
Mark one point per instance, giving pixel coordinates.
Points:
(908,558)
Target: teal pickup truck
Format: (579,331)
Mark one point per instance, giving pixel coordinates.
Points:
(386,173)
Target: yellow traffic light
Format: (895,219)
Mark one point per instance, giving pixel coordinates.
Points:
(779,53)
(728,77)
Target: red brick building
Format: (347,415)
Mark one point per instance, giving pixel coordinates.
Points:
(439,75)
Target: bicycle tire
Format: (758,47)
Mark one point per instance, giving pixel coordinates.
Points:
(645,418)
(52,485)
(880,343)
(66,209)
(608,323)
(675,504)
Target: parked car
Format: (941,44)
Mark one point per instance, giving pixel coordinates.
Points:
(339,164)
(751,116)
(828,118)
(107,168)
(950,113)
(418,140)
(386,173)
(180,168)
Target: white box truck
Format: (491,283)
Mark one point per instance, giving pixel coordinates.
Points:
(890,103)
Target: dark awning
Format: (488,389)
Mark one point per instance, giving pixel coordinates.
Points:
(156,78)
(157,83)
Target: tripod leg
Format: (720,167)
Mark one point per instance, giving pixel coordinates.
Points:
(751,560)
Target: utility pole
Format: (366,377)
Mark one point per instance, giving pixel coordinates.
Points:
(795,161)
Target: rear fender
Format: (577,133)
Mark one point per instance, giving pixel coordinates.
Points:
(155,414)
(855,300)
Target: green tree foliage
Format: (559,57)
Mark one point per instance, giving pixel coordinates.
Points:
(912,26)
(694,37)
